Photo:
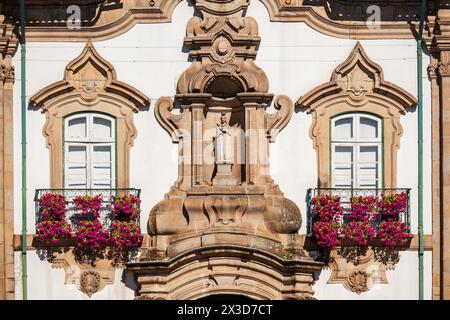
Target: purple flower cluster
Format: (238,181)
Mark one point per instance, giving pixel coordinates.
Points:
(91,237)
(52,206)
(327,212)
(326,233)
(53,231)
(126,207)
(360,229)
(391,205)
(89,206)
(359,232)
(393,233)
(125,236)
(52,225)
(363,208)
(327,207)
(364,213)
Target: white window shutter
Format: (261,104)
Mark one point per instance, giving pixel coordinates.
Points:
(356,151)
(76,173)
(89,152)
(343,166)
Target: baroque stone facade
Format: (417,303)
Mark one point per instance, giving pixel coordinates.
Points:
(216,204)
(225,226)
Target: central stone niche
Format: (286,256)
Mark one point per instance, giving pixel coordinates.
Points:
(224,227)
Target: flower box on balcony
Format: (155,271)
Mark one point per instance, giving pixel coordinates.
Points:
(359,217)
(86,220)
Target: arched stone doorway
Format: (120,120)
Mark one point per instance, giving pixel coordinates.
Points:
(226,271)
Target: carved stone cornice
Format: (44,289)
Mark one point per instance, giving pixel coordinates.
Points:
(351,19)
(100,19)
(105,19)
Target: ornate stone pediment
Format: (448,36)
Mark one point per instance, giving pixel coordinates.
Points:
(91,77)
(359,79)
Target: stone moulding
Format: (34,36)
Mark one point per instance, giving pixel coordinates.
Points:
(357,85)
(107,22)
(88,279)
(8,47)
(90,84)
(107,19)
(360,270)
(318,18)
(236,270)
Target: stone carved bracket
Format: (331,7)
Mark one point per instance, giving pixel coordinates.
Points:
(8,47)
(88,279)
(359,270)
(357,85)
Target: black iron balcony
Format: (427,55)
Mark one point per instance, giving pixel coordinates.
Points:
(72,215)
(345,197)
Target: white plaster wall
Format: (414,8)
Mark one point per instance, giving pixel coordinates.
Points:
(295,58)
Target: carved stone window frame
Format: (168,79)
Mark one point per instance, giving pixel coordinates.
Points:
(89,85)
(357,85)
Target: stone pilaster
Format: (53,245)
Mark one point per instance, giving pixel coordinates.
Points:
(8,46)
(439,73)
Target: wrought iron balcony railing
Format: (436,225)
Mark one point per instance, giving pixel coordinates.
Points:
(346,195)
(72,213)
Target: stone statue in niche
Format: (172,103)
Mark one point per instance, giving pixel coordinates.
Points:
(223,150)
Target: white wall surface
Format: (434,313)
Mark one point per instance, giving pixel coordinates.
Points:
(295,58)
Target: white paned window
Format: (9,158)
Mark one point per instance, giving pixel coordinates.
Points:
(356,151)
(89,151)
